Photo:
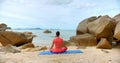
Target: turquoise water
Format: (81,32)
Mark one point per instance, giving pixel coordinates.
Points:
(46,39)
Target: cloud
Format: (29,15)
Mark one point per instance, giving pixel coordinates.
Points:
(54,13)
(18,9)
(81,4)
(59,2)
(1,1)
(16,16)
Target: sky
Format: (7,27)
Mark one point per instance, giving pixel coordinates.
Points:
(54,14)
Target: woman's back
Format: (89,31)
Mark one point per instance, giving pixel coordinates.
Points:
(58,42)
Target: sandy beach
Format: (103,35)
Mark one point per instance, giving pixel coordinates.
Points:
(89,55)
(29,27)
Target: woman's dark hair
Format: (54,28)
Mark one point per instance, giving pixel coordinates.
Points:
(57,33)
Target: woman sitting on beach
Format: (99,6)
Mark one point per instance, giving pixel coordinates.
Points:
(58,44)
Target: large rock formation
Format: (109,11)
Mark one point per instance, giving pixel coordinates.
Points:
(29,36)
(82,26)
(117,28)
(117,18)
(84,40)
(103,27)
(14,38)
(3,27)
(117,31)
(97,28)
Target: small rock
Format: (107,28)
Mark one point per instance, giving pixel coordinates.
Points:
(105,51)
(10,49)
(27,45)
(47,31)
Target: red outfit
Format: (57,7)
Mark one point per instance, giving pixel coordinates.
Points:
(58,45)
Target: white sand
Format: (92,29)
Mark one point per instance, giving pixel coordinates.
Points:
(89,55)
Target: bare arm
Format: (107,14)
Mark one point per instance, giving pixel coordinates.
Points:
(63,45)
(52,45)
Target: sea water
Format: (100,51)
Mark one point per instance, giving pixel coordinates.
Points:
(46,38)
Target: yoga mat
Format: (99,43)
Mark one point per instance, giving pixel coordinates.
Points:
(67,52)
